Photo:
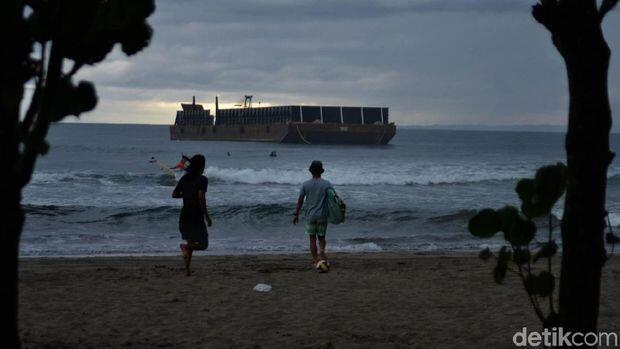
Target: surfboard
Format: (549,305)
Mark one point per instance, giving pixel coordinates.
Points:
(336,207)
(163,167)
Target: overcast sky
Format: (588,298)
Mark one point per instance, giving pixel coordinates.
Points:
(466,62)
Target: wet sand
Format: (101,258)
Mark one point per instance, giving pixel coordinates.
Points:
(379,300)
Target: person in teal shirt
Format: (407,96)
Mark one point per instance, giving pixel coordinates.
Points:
(313,193)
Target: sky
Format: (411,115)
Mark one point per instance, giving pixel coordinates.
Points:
(432,62)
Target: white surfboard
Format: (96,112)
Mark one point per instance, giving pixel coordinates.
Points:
(163,167)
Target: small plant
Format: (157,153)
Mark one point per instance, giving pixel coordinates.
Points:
(523,252)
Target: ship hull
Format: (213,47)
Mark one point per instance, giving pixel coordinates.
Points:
(294,132)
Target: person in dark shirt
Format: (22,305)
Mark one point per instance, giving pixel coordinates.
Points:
(192,188)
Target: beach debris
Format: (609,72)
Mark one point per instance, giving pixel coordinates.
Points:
(262,288)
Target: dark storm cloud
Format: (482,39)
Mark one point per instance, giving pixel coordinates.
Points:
(456,61)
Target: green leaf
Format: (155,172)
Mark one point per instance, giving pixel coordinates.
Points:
(521,256)
(484,224)
(485,254)
(547,249)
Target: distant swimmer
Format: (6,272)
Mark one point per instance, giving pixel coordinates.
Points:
(228,153)
(273,154)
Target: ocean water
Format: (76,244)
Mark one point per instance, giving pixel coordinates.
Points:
(96,193)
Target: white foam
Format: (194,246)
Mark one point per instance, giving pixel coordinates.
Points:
(354,176)
(365,247)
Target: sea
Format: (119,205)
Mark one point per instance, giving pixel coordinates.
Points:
(97,194)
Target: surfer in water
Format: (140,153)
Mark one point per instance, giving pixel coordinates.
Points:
(314,193)
(180,167)
(192,188)
(182,164)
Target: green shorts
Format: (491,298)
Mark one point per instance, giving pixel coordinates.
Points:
(316,228)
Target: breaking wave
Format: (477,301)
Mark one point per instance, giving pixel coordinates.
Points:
(250,176)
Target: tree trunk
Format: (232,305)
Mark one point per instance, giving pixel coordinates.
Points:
(12,57)
(12,217)
(588,156)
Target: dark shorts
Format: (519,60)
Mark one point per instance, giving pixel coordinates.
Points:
(195,233)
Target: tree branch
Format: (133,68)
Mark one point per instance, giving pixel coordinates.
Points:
(33,108)
(74,69)
(34,141)
(606,6)
(544,13)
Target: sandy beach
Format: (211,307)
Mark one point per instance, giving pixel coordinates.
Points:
(375,300)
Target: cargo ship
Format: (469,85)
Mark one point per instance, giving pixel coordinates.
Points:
(307,124)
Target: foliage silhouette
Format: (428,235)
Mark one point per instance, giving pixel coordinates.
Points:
(40,38)
(538,195)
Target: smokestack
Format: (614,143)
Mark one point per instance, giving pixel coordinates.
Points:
(194,100)
(217,107)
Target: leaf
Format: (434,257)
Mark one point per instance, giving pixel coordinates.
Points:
(540,194)
(521,256)
(548,249)
(534,209)
(546,283)
(550,183)
(503,256)
(542,284)
(72,100)
(86,97)
(508,217)
(484,224)
(525,189)
(136,38)
(87,30)
(485,254)
(523,232)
